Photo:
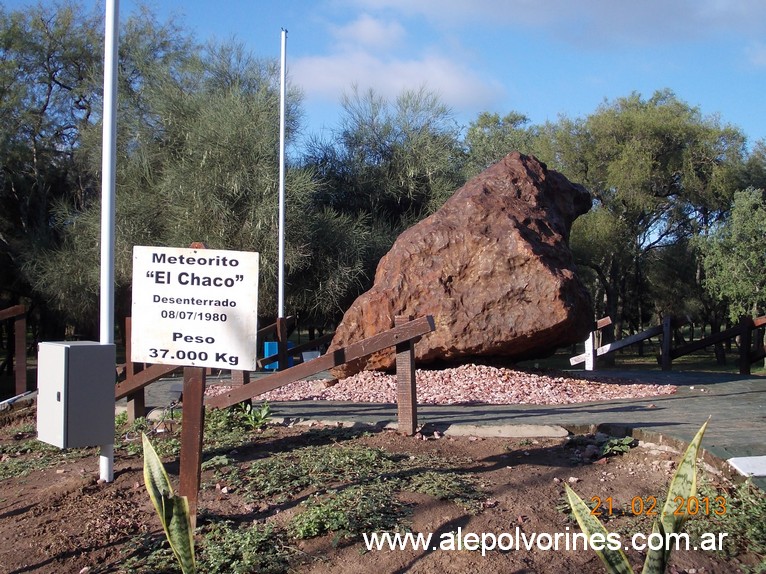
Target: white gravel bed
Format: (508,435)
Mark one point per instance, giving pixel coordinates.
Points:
(466,384)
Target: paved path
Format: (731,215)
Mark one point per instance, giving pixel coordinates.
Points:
(737,405)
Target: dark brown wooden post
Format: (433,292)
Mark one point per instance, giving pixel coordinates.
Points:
(282,343)
(192,430)
(406,394)
(667,340)
(192,426)
(745,342)
(136,406)
(239,378)
(17,349)
(20,343)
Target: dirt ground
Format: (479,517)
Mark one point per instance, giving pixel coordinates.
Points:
(59,519)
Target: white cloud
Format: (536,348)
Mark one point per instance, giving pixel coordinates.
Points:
(377,52)
(756,54)
(370,32)
(379,47)
(330,76)
(595,21)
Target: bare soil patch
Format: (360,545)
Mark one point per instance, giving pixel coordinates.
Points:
(56,518)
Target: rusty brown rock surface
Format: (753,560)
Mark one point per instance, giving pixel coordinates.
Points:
(492,266)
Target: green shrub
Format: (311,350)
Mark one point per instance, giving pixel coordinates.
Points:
(230,550)
(348,512)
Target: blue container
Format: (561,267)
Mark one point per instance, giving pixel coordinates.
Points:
(272,348)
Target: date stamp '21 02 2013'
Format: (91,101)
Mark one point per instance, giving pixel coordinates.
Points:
(648,506)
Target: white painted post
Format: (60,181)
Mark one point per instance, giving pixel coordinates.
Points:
(108,183)
(281,271)
(590,351)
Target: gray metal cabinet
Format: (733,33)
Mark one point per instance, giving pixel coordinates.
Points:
(75,400)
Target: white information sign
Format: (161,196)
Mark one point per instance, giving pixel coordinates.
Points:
(195,307)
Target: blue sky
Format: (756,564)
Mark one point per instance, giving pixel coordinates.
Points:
(541,58)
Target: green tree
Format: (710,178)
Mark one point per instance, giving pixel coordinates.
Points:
(48,54)
(389,165)
(754,169)
(198,148)
(490,138)
(64,270)
(659,173)
(396,161)
(201,166)
(734,257)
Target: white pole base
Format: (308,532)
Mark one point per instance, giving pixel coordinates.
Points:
(106,463)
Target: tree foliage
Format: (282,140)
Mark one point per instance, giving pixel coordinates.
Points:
(490,138)
(735,259)
(390,164)
(659,172)
(63,271)
(198,148)
(47,60)
(202,167)
(198,161)
(396,160)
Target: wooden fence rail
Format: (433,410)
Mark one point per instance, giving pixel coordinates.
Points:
(403,336)
(743,331)
(18,360)
(403,333)
(139,375)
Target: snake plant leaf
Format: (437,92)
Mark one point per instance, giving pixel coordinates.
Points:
(616,561)
(157,481)
(181,536)
(656,560)
(172,509)
(683,486)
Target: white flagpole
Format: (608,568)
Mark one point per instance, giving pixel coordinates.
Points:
(281,272)
(108,183)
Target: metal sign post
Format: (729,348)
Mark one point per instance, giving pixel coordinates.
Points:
(108,185)
(281,264)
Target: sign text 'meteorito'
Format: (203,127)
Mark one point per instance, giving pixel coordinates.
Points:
(218,260)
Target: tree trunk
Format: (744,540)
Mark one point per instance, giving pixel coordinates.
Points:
(612,304)
(720,354)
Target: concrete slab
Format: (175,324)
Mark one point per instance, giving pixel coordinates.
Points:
(483,431)
(507,431)
(749,465)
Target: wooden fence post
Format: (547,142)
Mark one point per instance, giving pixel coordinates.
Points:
(406,394)
(20,343)
(192,426)
(192,430)
(590,351)
(745,342)
(410,330)
(667,340)
(239,378)
(17,359)
(136,406)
